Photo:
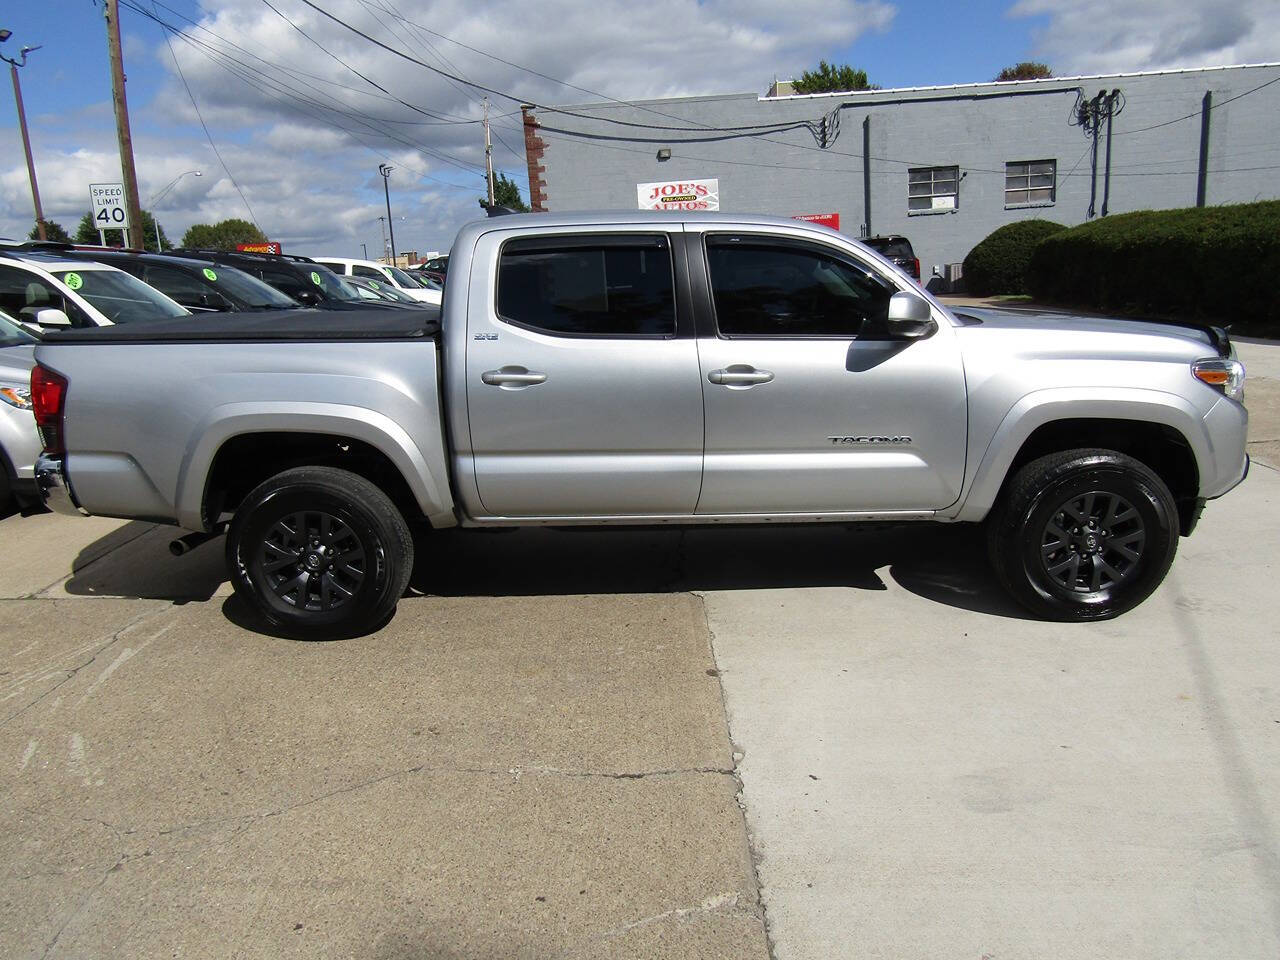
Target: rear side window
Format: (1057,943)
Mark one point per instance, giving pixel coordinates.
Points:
(618,286)
(892,248)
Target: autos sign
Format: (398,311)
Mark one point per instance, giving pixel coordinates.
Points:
(679,195)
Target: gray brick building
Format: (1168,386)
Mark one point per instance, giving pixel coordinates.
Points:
(942,165)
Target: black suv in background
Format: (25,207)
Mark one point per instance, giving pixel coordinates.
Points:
(301,278)
(897,250)
(199,285)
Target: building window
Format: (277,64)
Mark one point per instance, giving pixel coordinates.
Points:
(1030,182)
(933,189)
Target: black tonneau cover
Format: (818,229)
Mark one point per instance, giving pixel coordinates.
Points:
(374,323)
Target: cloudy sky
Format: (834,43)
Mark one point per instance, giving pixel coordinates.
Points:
(300,111)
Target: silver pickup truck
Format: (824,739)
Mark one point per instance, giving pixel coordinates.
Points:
(646,369)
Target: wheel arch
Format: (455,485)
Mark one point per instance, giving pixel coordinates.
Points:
(1159,430)
(238,450)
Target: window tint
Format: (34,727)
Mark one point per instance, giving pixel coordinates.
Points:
(618,286)
(891,247)
(178,284)
(288,282)
(369,272)
(764,289)
(22,294)
(120,297)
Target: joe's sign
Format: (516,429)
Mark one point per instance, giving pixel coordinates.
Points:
(679,195)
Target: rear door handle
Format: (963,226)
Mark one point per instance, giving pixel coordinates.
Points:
(739,375)
(512,377)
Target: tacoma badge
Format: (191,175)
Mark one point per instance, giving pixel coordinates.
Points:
(839,440)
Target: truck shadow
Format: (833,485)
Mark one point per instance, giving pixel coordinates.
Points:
(946,564)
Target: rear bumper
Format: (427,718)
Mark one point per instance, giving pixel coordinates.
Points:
(55,488)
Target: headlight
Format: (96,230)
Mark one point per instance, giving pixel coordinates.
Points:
(1226,376)
(16,397)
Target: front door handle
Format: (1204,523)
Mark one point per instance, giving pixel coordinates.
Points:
(739,375)
(512,377)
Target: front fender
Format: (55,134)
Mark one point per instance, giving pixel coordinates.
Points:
(424,471)
(1040,407)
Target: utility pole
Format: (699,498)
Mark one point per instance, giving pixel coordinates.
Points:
(1106,180)
(136,239)
(1202,168)
(488,154)
(26,140)
(364,249)
(385,170)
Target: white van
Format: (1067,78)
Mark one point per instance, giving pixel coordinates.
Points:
(381,273)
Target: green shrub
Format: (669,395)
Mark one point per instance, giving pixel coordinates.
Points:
(999,263)
(1213,263)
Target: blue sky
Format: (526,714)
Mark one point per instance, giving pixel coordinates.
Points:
(317,188)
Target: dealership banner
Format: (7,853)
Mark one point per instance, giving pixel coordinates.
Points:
(831,220)
(679,195)
(269,247)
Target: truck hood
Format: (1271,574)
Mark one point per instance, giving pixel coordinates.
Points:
(1052,331)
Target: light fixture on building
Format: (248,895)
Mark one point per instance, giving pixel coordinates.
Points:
(664,153)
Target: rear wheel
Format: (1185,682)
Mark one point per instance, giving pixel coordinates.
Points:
(320,553)
(1083,534)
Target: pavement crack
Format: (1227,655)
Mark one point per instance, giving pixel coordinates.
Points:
(73,671)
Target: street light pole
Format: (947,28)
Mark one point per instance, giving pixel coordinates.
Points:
(385,170)
(26,139)
(152,202)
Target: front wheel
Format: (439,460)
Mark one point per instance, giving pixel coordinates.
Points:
(1083,535)
(319,552)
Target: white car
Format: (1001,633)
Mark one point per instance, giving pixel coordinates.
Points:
(19,442)
(381,273)
(44,291)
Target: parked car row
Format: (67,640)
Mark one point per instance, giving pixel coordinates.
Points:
(48,286)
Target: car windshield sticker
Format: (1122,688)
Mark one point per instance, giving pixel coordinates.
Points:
(375,284)
(315,278)
(74,281)
(209,274)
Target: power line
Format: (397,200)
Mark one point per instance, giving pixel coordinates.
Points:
(1214,106)
(260,83)
(231,176)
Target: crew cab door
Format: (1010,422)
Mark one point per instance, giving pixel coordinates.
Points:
(582,376)
(811,406)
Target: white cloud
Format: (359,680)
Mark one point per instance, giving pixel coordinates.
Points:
(309,169)
(1100,36)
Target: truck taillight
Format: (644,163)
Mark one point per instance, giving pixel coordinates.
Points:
(49,397)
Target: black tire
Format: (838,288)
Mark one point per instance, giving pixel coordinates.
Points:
(1083,535)
(319,553)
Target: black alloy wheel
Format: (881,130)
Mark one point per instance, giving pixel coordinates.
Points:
(1083,534)
(320,553)
(312,561)
(1093,542)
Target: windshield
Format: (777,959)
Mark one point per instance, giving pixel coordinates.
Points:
(891,248)
(249,291)
(402,278)
(387,292)
(335,288)
(119,296)
(12,335)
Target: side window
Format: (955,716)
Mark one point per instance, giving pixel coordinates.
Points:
(288,283)
(178,285)
(22,294)
(618,286)
(770,289)
(369,273)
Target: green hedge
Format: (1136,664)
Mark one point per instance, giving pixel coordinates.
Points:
(999,263)
(1213,263)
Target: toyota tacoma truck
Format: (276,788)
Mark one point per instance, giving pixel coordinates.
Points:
(646,369)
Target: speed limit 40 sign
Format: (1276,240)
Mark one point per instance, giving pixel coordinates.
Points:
(109,211)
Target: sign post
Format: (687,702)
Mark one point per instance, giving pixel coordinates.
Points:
(109,212)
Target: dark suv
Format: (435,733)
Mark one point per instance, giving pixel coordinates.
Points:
(301,278)
(199,285)
(897,250)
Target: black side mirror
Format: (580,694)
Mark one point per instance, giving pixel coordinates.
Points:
(307,298)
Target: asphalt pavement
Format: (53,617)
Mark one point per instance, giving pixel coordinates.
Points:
(796,742)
